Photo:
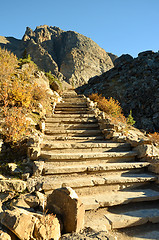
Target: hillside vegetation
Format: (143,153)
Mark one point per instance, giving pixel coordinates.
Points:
(20,96)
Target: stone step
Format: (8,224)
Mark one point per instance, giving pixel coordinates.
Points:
(72,116)
(68,120)
(93,146)
(71,96)
(105,167)
(75,101)
(74,112)
(107,199)
(79,126)
(65,109)
(50,147)
(68,138)
(131,218)
(71,105)
(98,221)
(80,156)
(90,184)
(74,132)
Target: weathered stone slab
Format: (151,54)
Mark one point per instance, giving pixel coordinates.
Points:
(116,198)
(71,126)
(80,138)
(49,169)
(117,166)
(132,218)
(71,115)
(86,145)
(92,155)
(72,105)
(67,119)
(98,167)
(91,181)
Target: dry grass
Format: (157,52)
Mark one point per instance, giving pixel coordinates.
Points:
(109,106)
(154,137)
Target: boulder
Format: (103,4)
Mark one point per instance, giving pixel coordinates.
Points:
(147,151)
(19,222)
(64,201)
(27,225)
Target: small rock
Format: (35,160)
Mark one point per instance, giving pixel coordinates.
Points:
(38,168)
(31,200)
(42,199)
(25,176)
(12,185)
(4,235)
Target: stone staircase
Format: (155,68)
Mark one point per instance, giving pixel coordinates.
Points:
(105,174)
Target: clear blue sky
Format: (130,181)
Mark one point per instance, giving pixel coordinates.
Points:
(118,26)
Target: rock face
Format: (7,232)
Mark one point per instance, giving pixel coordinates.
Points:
(66,54)
(135,84)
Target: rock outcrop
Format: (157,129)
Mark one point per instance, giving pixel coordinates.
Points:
(134,82)
(67,54)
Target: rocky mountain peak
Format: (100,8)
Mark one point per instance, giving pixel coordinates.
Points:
(67,54)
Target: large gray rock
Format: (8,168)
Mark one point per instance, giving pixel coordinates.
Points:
(67,54)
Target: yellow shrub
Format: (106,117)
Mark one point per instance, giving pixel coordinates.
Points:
(20,93)
(15,126)
(8,64)
(155,137)
(109,106)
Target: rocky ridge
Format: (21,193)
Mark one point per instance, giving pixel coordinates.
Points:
(134,82)
(67,54)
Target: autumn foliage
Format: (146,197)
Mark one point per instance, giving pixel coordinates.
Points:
(154,137)
(15,127)
(109,106)
(18,95)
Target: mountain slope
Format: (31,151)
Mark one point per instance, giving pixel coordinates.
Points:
(67,54)
(135,84)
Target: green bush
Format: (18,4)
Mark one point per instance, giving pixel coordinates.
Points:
(130,120)
(26,59)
